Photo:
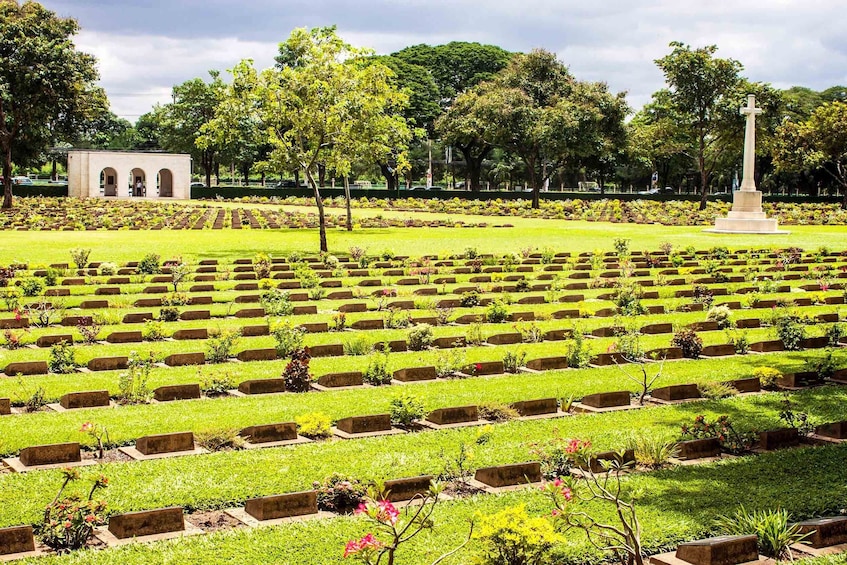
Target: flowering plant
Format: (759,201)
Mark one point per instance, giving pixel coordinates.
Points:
(69,522)
(730,439)
(97,433)
(623,537)
(393,525)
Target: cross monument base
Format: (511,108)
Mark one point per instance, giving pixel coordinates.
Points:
(746,216)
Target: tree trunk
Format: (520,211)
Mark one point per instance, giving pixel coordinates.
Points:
(473,164)
(321,175)
(297,178)
(701,162)
(263,179)
(7,178)
(54,175)
(390,177)
(321,218)
(536,187)
(347,198)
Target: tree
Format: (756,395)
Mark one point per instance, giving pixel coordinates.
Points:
(462,128)
(320,107)
(180,123)
(538,111)
(698,83)
(456,66)
(44,80)
(818,143)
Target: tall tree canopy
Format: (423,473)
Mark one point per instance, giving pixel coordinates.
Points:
(698,84)
(535,109)
(180,123)
(45,83)
(456,66)
(818,143)
(320,106)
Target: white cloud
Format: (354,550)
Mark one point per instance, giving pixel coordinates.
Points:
(144,48)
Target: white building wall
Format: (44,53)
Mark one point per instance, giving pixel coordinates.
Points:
(84,168)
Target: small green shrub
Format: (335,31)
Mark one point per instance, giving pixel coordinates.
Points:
(776,534)
(834,333)
(32,286)
(511,537)
(578,350)
(405,409)
(62,359)
(359,344)
(377,373)
(338,493)
(722,315)
(497,412)
(287,337)
(220,345)
(652,451)
(154,330)
(469,299)
(789,328)
(149,265)
(314,425)
(497,312)
(168,314)
(276,302)
(473,336)
(220,440)
(767,377)
(218,385)
(296,373)
(420,337)
(690,343)
(448,364)
(716,390)
(513,360)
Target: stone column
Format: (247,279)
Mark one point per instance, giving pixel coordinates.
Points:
(747,215)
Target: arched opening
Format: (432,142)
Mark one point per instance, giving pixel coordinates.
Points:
(165,183)
(137,183)
(109,182)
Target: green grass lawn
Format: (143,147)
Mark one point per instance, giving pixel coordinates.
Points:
(574,236)
(676,504)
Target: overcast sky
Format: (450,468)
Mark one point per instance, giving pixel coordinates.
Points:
(144,47)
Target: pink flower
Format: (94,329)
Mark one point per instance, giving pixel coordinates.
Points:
(367,543)
(478,366)
(387,512)
(87,427)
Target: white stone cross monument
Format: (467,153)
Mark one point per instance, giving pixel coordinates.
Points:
(747,215)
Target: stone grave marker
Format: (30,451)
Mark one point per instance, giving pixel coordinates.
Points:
(108,363)
(723,550)
(183,359)
(16,539)
(282,505)
(26,368)
(87,399)
(540,407)
(778,439)
(412,374)
(675,393)
(825,532)
(162,445)
(262,386)
(169,393)
(699,448)
(454,416)
(364,426)
(147,523)
(406,489)
(56,454)
(509,475)
(339,380)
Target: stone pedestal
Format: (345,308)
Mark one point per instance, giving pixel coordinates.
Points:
(746,216)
